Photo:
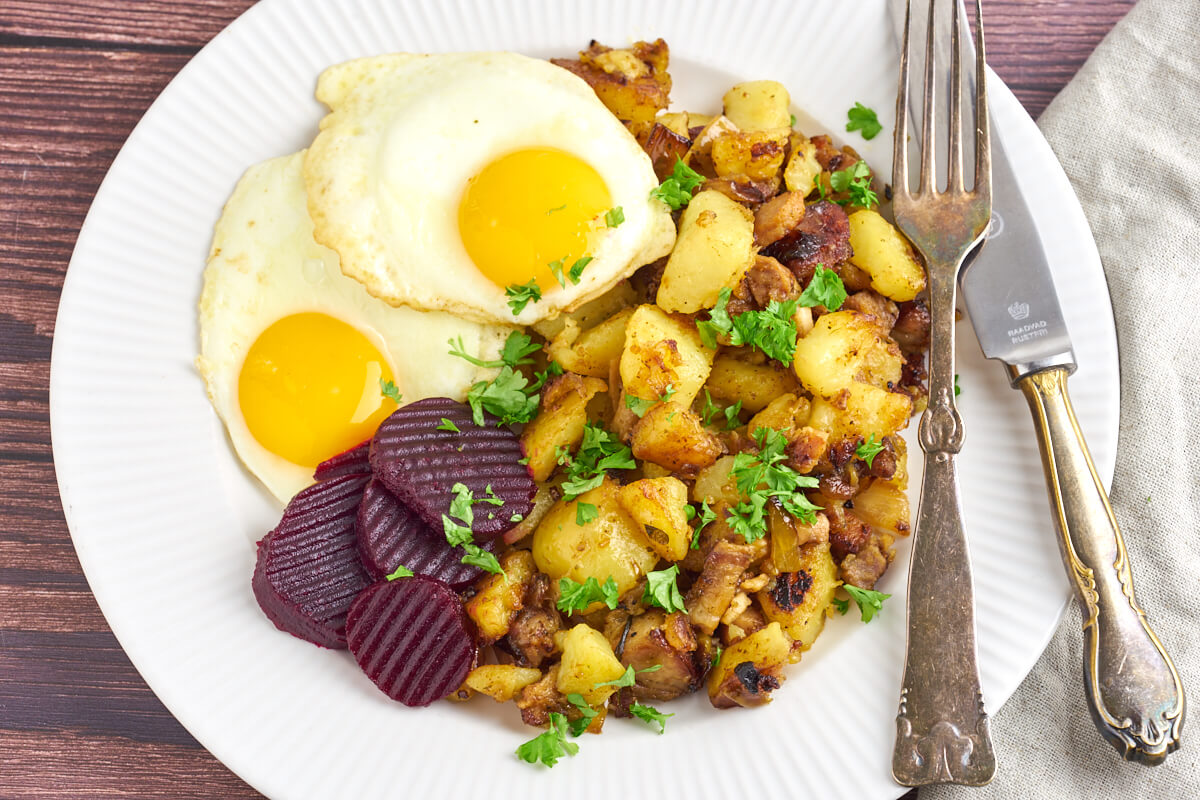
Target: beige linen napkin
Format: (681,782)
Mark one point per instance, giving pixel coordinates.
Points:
(1127,131)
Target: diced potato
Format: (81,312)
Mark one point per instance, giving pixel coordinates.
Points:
(759,106)
(657,505)
(714,248)
(663,352)
(882,505)
(700,152)
(755,385)
(588,660)
(501,596)
(765,651)
(672,436)
(886,255)
(716,485)
(756,154)
(589,314)
(785,413)
(652,470)
(608,546)
(559,422)
(674,121)
(861,410)
(802,166)
(800,598)
(633,83)
(501,681)
(844,347)
(593,351)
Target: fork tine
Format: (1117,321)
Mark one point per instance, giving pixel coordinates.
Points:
(900,140)
(928,176)
(983,152)
(954,179)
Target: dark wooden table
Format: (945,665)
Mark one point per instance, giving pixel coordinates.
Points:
(76,720)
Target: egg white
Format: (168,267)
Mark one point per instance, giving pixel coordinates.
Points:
(406,133)
(265,265)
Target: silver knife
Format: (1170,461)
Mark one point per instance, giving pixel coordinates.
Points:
(1132,687)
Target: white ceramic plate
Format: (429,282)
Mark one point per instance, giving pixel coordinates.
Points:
(164,518)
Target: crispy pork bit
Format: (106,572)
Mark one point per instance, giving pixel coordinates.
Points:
(777,216)
(712,592)
(666,645)
(864,567)
(821,237)
(531,636)
(911,329)
(308,571)
(847,533)
(882,311)
(412,639)
(537,700)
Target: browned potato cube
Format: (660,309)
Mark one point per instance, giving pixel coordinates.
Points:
(593,351)
(560,421)
(501,681)
(671,436)
(750,669)
(798,600)
(633,83)
(756,154)
(713,250)
(663,352)
(759,106)
(501,596)
(755,385)
(657,505)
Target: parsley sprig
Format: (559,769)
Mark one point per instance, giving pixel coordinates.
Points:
(650,715)
(510,396)
(599,452)
(712,411)
(763,478)
(824,289)
(614,216)
(662,591)
(548,747)
(771,330)
(861,118)
(856,180)
(574,596)
(676,190)
(390,391)
(868,449)
(868,601)
(456,525)
(522,294)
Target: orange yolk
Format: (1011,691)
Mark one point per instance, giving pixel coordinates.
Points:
(310,387)
(528,209)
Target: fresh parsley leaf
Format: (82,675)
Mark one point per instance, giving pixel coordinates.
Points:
(863,119)
(957,391)
(586,714)
(762,477)
(577,486)
(662,591)
(868,600)
(541,377)
(707,515)
(490,497)
(629,678)
(478,557)
(522,294)
(651,715)
(401,572)
(731,415)
(841,605)
(819,187)
(447,425)
(574,596)
(585,513)
(793,120)
(598,453)
(856,181)
(689,512)
(505,396)
(548,747)
(516,518)
(389,390)
(718,321)
(460,504)
(576,271)
(666,396)
(556,269)
(868,449)
(676,189)
(825,289)
(517,349)
(637,405)
(614,216)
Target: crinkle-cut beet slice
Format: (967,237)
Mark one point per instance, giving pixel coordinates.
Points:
(420,464)
(308,571)
(391,534)
(355,461)
(412,638)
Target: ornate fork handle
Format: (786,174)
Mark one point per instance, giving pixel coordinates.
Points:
(1133,689)
(942,731)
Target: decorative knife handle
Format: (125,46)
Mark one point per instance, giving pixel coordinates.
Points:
(1133,689)
(942,731)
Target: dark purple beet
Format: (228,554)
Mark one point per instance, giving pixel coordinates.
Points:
(420,464)
(412,639)
(308,570)
(355,461)
(391,534)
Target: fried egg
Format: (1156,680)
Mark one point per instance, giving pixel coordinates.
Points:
(295,355)
(443,180)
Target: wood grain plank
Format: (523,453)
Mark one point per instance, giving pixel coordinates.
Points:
(144,23)
(41,765)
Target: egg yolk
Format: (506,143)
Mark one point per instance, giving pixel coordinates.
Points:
(310,388)
(528,209)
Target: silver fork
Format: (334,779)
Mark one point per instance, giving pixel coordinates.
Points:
(942,728)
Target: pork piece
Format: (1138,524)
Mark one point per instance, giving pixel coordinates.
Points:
(882,311)
(821,237)
(666,641)
(665,147)
(537,700)
(531,636)
(805,448)
(764,281)
(911,329)
(743,190)
(864,567)
(746,623)
(746,686)
(831,158)
(776,217)
(847,533)
(713,590)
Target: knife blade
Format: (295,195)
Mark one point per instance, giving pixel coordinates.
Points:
(1007,288)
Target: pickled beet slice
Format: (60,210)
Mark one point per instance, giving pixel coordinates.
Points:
(412,639)
(308,570)
(355,461)
(391,534)
(420,464)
